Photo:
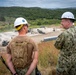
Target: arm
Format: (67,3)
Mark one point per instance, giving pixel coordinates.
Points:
(33,64)
(59,41)
(9,63)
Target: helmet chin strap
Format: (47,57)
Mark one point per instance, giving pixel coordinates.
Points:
(18,28)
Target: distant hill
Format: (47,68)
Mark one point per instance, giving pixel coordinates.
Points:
(35,16)
(33,12)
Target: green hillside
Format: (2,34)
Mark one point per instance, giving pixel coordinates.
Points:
(34,12)
(34,15)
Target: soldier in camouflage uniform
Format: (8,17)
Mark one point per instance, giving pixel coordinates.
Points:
(66,42)
(22,51)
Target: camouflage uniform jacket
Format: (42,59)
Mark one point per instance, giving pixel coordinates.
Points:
(66,42)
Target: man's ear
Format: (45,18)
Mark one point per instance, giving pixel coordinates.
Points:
(24,27)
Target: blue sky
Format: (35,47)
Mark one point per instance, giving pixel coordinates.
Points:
(39,3)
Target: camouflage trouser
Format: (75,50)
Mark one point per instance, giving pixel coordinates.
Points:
(23,71)
(66,65)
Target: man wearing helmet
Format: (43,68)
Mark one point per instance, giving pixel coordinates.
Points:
(66,42)
(22,51)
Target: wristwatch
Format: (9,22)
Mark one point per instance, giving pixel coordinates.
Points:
(15,73)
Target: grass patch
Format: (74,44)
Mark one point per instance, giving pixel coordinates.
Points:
(48,56)
(3,69)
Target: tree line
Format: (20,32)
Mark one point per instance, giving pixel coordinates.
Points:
(34,13)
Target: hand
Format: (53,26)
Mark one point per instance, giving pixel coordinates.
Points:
(15,74)
(27,74)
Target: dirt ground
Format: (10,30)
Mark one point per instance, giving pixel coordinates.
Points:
(39,38)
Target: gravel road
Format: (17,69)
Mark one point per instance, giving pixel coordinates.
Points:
(39,38)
